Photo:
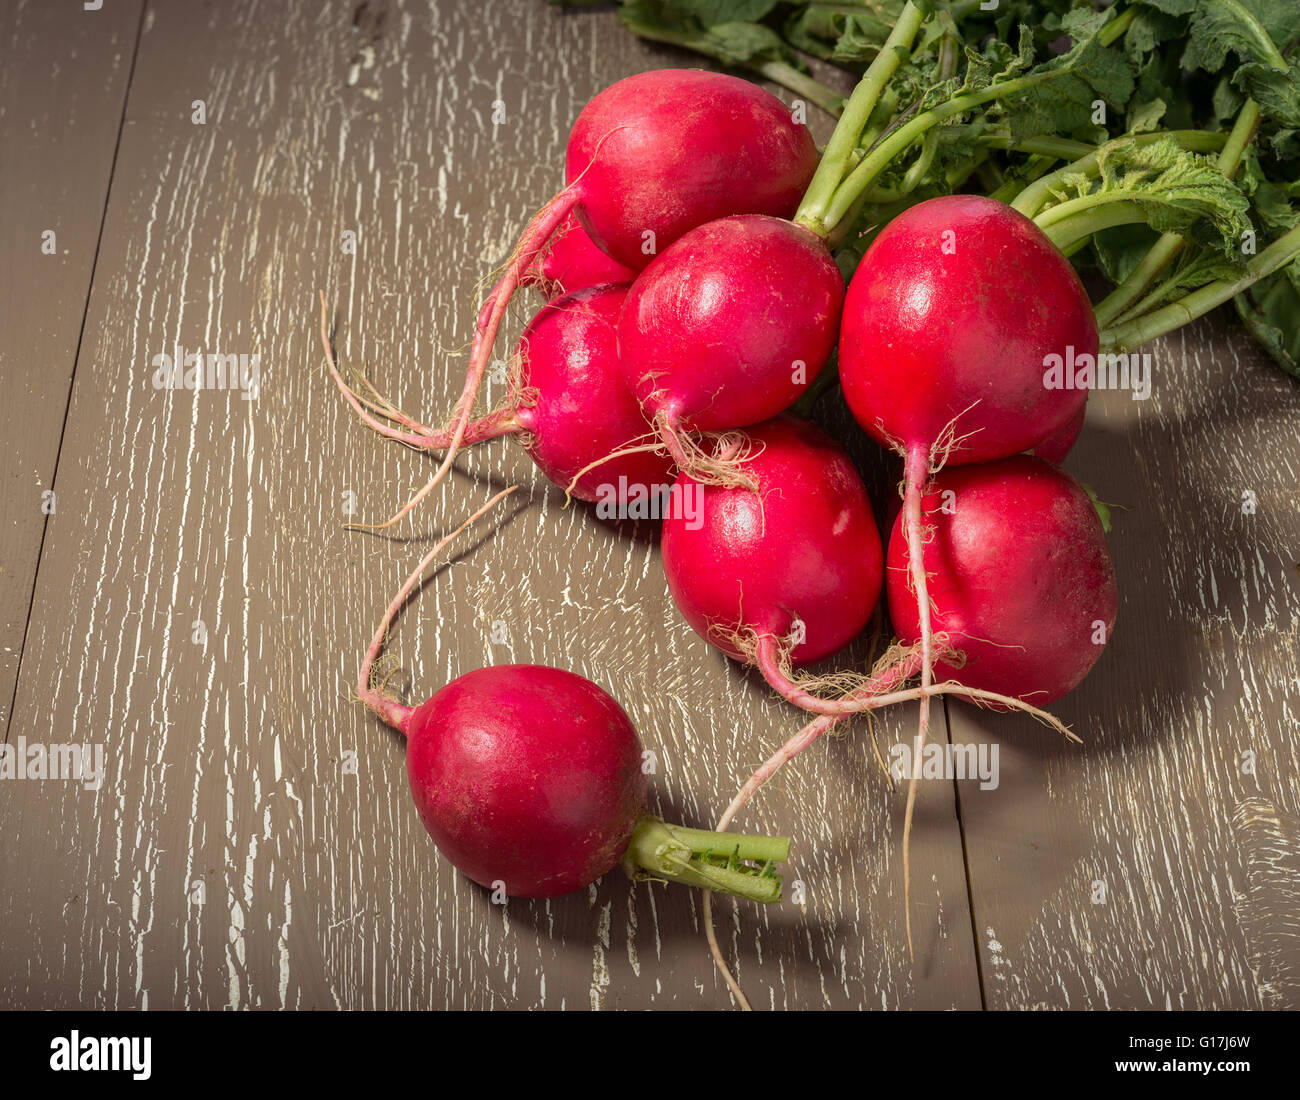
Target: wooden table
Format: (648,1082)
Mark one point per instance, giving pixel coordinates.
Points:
(191,602)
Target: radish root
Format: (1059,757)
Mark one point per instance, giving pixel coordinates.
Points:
(827,693)
(416,435)
(879,691)
(419,436)
(460,431)
(917,474)
(712,459)
(374,695)
(638,445)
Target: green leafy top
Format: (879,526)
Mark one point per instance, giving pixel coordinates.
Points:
(990,101)
(846,33)
(1176,189)
(697,25)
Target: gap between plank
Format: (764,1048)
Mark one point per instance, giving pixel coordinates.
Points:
(965,862)
(76,359)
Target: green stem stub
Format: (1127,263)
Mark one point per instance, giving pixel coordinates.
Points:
(728,863)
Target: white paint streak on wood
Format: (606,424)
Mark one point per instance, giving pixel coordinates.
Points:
(1269,906)
(1202,667)
(322,888)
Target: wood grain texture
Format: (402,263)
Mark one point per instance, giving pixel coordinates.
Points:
(1202,668)
(255,844)
(63,81)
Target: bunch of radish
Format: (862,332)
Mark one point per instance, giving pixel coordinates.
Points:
(693,299)
(642,174)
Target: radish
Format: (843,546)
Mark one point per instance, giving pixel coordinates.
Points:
(787,574)
(531,780)
(727,328)
(526,775)
(656,154)
(573,262)
(567,404)
(582,412)
(1020,578)
(1056,446)
(947,322)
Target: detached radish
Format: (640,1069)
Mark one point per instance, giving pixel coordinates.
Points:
(727,328)
(572,262)
(567,403)
(530,780)
(785,574)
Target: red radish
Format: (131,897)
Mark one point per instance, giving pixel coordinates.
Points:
(567,402)
(789,573)
(530,780)
(648,159)
(1020,578)
(947,322)
(1056,446)
(728,327)
(582,412)
(526,775)
(664,151)
(572,262)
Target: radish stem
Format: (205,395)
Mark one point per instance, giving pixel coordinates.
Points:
(1089,217)
(1032,199)
(1134,333)
(821,218)
(836,160)
(738,865)
(828,99)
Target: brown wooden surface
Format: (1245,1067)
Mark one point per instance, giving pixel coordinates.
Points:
(230,762)
(1199,910)
(62,87)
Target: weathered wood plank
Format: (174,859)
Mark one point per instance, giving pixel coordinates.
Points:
(1158,808)
(238,765)
(63,81)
